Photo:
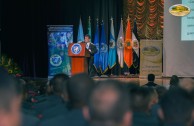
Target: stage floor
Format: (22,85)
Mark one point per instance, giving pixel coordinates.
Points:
(163,81)
(141,81)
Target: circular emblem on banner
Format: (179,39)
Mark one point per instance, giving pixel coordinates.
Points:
(103,48)
(76,48)
(111,44)
(128,44)
(120,43)
(55,60)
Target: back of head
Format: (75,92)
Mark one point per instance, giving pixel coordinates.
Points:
(10,99)
(177,106)
(174,81)
(78,89)
(59,83)
(151,77)
(187,84)
(140,99)
(108,102)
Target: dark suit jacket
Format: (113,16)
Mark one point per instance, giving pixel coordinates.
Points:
(93,49)
(50,102)
(143,119)
(73,118)
(151,84)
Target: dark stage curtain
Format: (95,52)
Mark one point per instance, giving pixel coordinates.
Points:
(24,31)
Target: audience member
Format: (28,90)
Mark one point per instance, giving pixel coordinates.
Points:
(78,88)
(151,79)
(177,108)
(54,104)
(187,84)
(108,105)
(141,105)
(10,100)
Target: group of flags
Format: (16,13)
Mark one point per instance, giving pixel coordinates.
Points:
(123,47)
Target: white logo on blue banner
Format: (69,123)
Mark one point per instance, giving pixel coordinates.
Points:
(103,48)
(55,60)
(76,48)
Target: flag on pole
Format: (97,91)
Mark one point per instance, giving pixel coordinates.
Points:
(128,52)
(135,40)
(80,36)
(112,47)
(96,43)
(120,45)
(89,28)
(103,51)
(135,43)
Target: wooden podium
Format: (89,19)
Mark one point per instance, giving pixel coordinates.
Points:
(79,55)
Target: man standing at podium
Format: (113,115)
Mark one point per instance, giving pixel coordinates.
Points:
(92,49)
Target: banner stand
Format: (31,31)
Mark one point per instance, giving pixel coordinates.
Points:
(59,37)
(151,58)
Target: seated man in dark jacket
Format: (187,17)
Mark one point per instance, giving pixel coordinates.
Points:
(178,108)
(78,88)
(151,79)
(108,105)
(55,104)
(141,106)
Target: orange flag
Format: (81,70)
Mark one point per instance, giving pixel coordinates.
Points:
(128,52)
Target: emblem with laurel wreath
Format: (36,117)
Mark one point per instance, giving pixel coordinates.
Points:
(112,44)
(120,43)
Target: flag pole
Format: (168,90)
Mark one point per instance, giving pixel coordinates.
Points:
(111,19)
(120,67)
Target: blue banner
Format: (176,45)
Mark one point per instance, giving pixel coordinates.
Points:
(59,37)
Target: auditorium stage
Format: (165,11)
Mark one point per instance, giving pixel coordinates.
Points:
(135,78)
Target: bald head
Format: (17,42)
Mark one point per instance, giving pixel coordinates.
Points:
(187,84)
(108,101)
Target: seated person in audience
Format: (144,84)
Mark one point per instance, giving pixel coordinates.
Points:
(55,103)
(59,86)
(78,88)
(108,105)
(151,79)
(187,84)
(10,101)
(141,102)
(177,107)
(174,82)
